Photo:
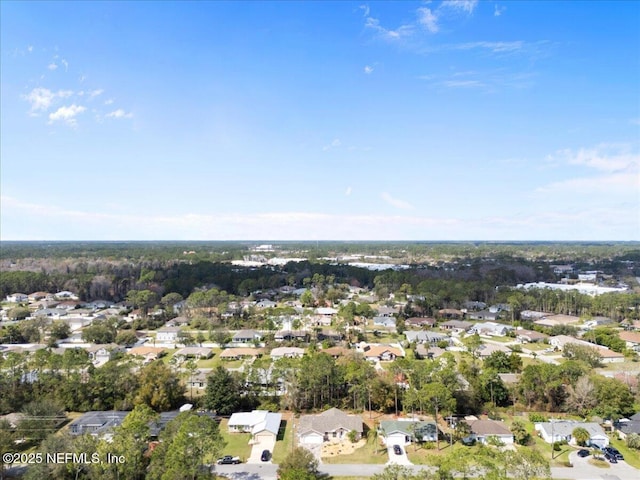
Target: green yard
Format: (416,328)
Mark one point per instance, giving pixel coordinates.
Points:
(237,443)
(284,441)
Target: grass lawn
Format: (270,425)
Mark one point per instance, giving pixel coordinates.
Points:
(237,443)
(284,441)
(422,455)
(372,452)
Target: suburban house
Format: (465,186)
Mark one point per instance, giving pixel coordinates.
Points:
(332,425)
(451,313)
(632,339)
(458,326)
(425,337)
(385,311)
(237,353)
(424,350)
(199,380)
(562,430)
(482,430)
(287,352)
(149,354)
(606,355)
(247,336)
(77,323)
(553,320)
(17,298)
(291,336)
(491,329)
(102,423)
(103,353)
(626,426)
(385,322)
(487,349)
(403,432)
(483,315)
(196,353)
(167,335)
(260,423)
(420,322)
(530,336)
(532,315)
(337,351)
(381,353)
(266,304)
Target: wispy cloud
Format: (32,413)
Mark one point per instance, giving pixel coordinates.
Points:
(386,33)
(396,202)
(428,19)
(67,114)
(335,143)
(464,6)
(119,114)
(498,10)
(41,99)
(368,69)
(612,169)
(52,66)
(348,191)
(616,222)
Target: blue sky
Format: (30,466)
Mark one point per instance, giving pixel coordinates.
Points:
(443,120)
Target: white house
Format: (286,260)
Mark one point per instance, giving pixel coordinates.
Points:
(483,430)
(17,298)
(260,423)
(167,334)
(286,352)
(562,430)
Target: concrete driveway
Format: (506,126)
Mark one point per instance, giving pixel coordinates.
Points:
(616,471)
(258,447)
(398,459)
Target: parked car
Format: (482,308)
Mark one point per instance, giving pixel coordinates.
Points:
(613,452)
(266,455)
(583,453)
(611,457)
(228,460)
(397,450)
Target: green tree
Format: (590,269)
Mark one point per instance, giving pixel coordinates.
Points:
(160,388)
(41,417)
(439,401)
(581,435)
(186,446)
(221,395)
(126,338)
(59,330)
(130,440)
(100,331)
(307,299)
(520,433)
(18,313)
(300,464)
(633,441)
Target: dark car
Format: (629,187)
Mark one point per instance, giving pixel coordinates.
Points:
(583,453)
(397,450)
(614,452)
(228,460)
(266,455)
(611,457)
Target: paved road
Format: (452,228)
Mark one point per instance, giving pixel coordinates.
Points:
(581,471)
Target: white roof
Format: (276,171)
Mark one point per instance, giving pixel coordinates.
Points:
(258,421)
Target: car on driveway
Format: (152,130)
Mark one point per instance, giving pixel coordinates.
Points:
(397,450)
(611,457)
(266,455)
(228,460)
(614,452)
(583,452)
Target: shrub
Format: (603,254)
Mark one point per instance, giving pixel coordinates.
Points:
(537,418)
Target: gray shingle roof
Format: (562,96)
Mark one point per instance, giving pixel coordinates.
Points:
(329,421)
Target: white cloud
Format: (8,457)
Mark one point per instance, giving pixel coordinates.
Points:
(67,114)
(365,10)
(52,66)
(65,63)
(463,84)
(465,6)
(334,144)
(428,19)
(348,191)
(614,222)
(119,113)
(40,99)
(368,69)
(109,101)
(95,93)
(495,47)
(497,11)
(30,48)
(398,33)
(603,157)
(395,202)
